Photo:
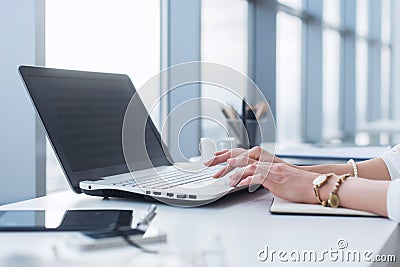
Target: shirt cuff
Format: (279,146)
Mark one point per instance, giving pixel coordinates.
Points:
(393,201)
(392,161)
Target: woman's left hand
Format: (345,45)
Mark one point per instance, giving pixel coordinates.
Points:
(282,180)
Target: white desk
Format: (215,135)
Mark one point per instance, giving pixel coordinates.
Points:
(240,222)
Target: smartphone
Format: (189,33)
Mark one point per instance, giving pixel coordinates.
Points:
(64,220)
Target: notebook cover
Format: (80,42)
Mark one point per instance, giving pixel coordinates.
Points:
(281,206)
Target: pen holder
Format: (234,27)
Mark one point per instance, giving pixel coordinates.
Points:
(248,135)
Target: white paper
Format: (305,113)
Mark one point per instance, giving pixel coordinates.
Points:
(280,205)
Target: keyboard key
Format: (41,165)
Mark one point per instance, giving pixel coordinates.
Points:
(167,180)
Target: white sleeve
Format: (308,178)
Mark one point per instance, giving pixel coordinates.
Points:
(393,201)
(392,160)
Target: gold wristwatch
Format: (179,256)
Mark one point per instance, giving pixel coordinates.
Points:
(317,183)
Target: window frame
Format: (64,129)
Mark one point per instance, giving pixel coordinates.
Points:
(311,14)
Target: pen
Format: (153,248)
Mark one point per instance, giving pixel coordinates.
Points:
(150,213)
(244,122)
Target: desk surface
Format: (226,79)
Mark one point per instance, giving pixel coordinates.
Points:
(230,232)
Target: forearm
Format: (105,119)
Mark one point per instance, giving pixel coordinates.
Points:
(338,169)
(361,194)
(374,169)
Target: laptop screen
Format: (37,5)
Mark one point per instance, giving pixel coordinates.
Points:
(83,114)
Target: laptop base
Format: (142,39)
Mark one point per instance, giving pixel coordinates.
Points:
(114,193)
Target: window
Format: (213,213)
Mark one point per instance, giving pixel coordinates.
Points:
(224,41)
(121,36)
(331,84)
(297,4)
(361,80)
(353,34)
(102,35)
(362,65)
(374,88)
(289,39)
(124,36)
(331,71)
(385,58)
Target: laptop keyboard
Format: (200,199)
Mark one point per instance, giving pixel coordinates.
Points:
(168,179)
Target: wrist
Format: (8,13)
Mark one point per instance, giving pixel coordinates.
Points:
(304,168)
(328,168)
(320,184)
(328,187)
(353,164)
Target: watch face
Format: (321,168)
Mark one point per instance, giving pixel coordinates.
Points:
(320,179)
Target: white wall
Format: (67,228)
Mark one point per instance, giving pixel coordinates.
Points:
(22,151)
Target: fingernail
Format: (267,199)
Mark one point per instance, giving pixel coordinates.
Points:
(231,161)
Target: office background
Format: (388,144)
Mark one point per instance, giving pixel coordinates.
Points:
(328,67)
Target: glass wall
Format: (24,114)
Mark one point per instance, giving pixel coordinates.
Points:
(373,61)
(386,58)
(331,71)
(288,82)
(365,31)
(362,66)
(124,36)
(224,41)
(297,4)
(120,36)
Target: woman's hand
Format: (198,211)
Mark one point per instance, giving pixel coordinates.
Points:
(240,157)
(282,180)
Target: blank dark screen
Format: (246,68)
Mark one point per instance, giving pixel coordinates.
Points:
(84,118)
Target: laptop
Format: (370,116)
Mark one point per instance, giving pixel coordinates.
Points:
(83,114)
